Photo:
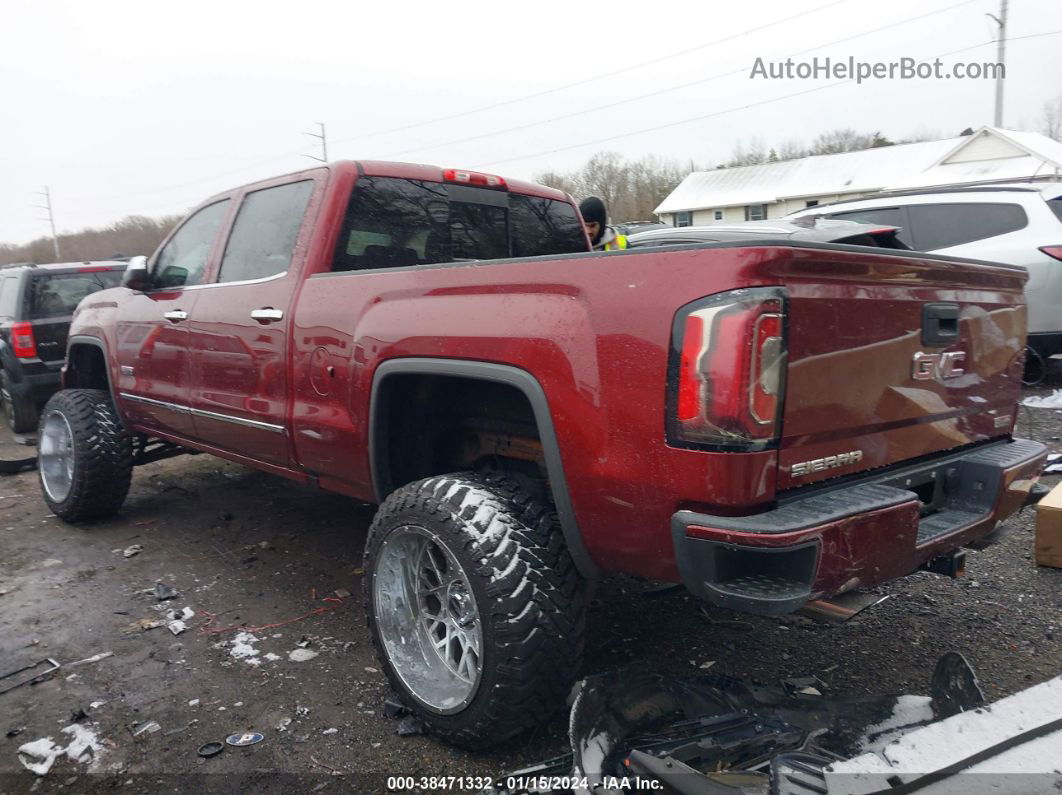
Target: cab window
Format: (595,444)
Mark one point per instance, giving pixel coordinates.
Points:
(392,222)
(183,259)
(264,234)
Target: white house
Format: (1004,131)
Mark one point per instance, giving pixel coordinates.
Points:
(771,190)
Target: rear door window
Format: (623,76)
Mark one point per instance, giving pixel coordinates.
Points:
(886,216)
(58,294)
(937,226)
(263,236)
(393,222)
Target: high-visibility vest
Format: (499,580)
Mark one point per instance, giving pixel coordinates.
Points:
(618,243)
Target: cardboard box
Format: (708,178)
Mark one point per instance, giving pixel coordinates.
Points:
(1049,529)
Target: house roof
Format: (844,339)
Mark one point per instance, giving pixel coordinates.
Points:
(990,154)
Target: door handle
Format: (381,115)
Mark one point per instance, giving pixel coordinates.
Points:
(176,315)
(267,314)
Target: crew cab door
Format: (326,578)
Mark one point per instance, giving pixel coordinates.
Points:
(153,332)
(239,329)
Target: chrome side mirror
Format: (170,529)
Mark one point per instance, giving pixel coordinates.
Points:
(137,276)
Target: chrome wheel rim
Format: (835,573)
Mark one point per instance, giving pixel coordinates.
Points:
(427,619)
(56,456)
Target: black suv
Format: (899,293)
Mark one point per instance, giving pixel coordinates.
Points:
(36,304)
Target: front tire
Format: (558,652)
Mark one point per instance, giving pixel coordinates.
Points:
(85,455)
(474,605)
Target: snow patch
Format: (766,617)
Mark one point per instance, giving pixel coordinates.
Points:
(592,754)
(908,711)
(84,747)
(242,648)
(1052,401)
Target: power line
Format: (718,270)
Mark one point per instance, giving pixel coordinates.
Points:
(702,117)
(324,144)
(257,164)
(1001,58)
(47,207)
(658,92)
(545,92)
(593,79)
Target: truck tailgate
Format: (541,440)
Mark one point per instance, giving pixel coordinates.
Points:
(892,358)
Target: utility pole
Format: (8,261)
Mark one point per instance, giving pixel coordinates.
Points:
(1001,59)
(324,143)
(47,206)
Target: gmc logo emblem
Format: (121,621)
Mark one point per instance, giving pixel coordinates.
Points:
(927,366)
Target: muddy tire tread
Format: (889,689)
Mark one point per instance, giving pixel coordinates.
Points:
(536,602)
(103,455)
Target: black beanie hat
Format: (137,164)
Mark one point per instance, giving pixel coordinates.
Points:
(593,209)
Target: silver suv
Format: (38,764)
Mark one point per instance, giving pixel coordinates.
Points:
(1019,224)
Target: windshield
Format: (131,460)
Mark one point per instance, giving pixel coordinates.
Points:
(58,294)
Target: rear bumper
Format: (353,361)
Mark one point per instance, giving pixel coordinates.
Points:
(1045,343)
(35,381)
(826,541)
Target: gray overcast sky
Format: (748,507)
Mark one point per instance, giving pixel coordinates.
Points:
(133,107)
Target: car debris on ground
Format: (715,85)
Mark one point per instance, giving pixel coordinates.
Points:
(139,730)
(142,625)
(28,674)
(410,726)
(84,747)
(103,655)
(164,592)
(717,734)
(244,739)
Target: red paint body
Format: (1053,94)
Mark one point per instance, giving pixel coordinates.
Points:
(595,331)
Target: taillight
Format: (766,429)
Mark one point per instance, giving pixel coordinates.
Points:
(22,341)
(1052,251)
(727,374)
(473,178)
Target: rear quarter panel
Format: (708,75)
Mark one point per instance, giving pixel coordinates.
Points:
(593,329)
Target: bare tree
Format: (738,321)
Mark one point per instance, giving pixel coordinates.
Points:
(843,140)
(1051,118)
(606,175)
(630,189)
(554,179)
(135,234)
(791,150)
(752,153)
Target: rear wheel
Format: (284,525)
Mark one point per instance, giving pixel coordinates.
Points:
(474,605)
(84,455)
(20,414)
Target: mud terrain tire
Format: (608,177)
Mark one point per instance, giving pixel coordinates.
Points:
(85,455)
(529,602)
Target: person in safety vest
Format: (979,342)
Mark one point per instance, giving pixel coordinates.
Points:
(595,219)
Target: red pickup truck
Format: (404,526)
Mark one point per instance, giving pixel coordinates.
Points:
(767,423)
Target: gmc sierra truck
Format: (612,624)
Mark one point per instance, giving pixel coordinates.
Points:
(766,422)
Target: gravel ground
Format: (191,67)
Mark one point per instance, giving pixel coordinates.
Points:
(246,549)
